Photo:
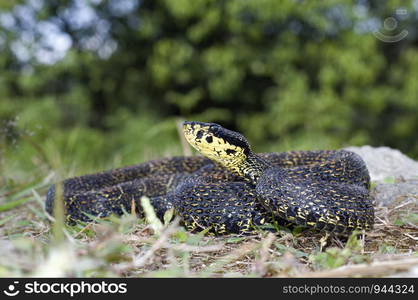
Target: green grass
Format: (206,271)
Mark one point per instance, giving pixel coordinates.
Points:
(128,246)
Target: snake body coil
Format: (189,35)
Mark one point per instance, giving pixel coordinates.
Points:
(231,189)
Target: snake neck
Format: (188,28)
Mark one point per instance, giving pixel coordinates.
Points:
(253,166)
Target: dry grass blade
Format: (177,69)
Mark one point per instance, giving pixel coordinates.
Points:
(375,269)
(164,236)
(260,266)
(236,254)
(197,249)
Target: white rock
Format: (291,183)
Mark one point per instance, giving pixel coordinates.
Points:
(385,162)
(387,194)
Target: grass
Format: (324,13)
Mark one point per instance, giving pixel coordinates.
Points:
(128,246)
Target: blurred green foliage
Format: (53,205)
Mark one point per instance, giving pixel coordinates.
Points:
(288,74)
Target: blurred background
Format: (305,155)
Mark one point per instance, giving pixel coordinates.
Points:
(93,84)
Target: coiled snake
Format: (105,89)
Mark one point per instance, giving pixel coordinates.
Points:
(231,189)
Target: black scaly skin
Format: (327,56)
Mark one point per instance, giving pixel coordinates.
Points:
(113,191)
(206,195)
(221,201)
(293,190)
(332,195)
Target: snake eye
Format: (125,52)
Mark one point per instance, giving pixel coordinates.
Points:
(209,139)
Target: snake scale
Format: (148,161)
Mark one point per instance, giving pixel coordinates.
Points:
(231,189)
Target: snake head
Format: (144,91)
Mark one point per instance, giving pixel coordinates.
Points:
(227,147)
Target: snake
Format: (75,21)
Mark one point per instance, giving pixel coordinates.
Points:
(228,188)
